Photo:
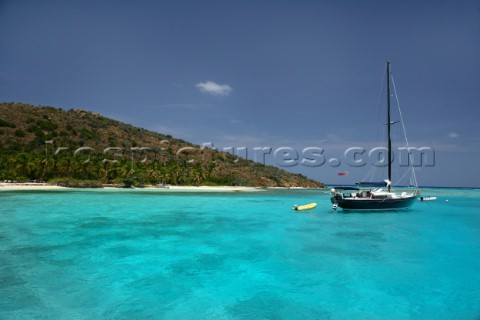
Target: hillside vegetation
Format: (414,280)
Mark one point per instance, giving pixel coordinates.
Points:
(81,147)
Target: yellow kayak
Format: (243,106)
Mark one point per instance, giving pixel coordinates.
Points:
(304,207)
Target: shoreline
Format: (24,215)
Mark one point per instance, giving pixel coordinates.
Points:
(14,186)
(31,186)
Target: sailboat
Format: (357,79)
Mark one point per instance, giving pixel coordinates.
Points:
(373,195)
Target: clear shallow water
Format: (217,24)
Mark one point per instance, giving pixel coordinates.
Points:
(150,255)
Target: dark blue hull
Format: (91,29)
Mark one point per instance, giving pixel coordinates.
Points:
(373,204)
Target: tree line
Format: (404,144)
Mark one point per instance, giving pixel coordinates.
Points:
(34,166)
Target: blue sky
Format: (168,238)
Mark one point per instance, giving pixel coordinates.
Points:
(274,74)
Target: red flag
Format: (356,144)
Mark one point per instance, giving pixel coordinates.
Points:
(343,173)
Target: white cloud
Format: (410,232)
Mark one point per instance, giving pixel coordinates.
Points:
(453,135)
(214,88)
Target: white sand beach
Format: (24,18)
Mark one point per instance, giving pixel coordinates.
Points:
(28,186)
(209,188)
(45,186)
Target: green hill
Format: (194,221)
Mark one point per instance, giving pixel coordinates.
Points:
(51,144)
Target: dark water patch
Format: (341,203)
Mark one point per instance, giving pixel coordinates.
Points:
(337,250)
(265,305)
(262,201)
(98,223)
(9,277)
(211,262)
(18,298)
(133,308)
(123,251)
(361,235)
(159,287)
(36,250)
(202,264)
(304,230)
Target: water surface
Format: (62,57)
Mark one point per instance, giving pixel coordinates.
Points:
(159,255)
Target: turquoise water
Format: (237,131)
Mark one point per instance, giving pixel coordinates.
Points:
(158,255)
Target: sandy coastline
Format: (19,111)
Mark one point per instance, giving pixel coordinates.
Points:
(28,186)
(46,186)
